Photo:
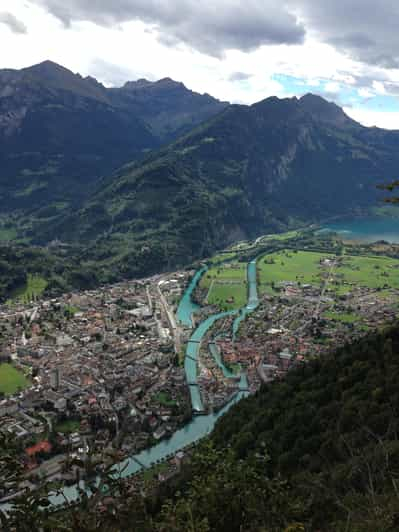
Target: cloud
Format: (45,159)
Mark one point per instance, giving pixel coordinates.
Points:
(386,120)
(364,29)
(114,75)
(332,87)
(12,22)
(365,93)
(338,43)
(207,26)
(372,79)
(239,76)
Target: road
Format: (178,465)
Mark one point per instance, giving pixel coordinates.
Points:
(175,330)
(328,279)
(316,312)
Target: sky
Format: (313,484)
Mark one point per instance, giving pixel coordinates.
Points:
(239,51)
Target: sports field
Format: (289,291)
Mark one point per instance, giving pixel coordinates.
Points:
(11,380)
(226,285)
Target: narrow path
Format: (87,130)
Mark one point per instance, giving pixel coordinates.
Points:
(209,291)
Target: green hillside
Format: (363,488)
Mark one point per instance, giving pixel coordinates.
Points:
(247,171)
(60,134)
(318,451)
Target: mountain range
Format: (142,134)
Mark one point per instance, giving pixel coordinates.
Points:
(151,175)
(102,183)
(60,133)
(250,169)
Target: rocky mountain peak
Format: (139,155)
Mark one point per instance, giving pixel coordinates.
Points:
(324,110)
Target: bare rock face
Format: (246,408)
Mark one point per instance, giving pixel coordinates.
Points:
(12,120)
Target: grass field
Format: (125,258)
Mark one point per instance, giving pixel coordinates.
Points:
(222,257)
(226,285)
(351,271)
(372,272)
(151,473)
(11,380)
(66,427)
(300,266)
(281,236)
(341,316)
(165,400)
(246,245)
(33,289)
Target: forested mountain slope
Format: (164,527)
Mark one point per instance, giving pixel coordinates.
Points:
(318,450)
(246,171)
(60,133)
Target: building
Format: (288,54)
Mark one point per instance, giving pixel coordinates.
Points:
(55,378)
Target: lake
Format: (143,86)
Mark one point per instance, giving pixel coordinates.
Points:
(366,229)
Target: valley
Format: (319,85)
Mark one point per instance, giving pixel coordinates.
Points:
(174,177)
(164,357)
(196,298)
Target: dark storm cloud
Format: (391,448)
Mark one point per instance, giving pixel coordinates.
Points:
(12,22)
(367,30)
(210,26)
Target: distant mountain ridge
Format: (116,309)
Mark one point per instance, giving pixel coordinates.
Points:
(85,164)
(167,106)
(60,133)
(246,171)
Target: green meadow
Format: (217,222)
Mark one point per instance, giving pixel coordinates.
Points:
(350,272)
(299,266)
(11,380)
(371,272)
(67,427)
(7,234)
(344,317)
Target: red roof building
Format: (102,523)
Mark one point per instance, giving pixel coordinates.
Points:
(43,446)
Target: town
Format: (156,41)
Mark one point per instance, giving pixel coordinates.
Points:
(119,369)
(100,366)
